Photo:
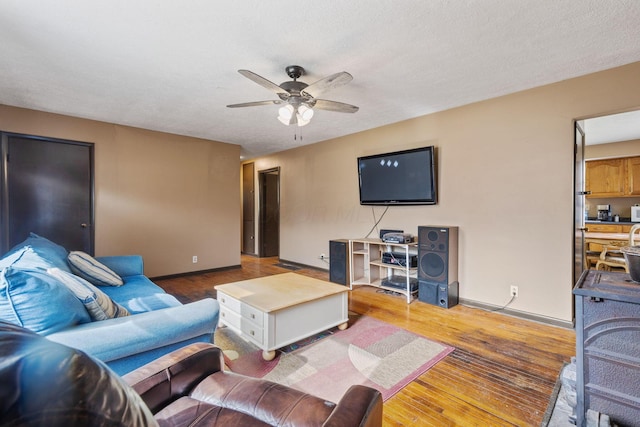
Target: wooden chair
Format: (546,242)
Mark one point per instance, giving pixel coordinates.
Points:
(592,252)
(632,234)
(611,258)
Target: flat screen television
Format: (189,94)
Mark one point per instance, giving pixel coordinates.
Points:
(399,178)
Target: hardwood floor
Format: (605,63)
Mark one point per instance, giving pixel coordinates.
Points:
(501,373)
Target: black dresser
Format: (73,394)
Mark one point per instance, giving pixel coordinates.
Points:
(608,346)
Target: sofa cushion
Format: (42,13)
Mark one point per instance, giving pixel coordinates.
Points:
(87,267)
(36,252)
(98,304)
(33,299)
(139,295)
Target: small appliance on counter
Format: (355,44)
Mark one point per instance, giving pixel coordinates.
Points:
(635,213)
(604,212)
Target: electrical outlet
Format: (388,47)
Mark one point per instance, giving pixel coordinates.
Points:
(322,256)
(514,291)
(195,259)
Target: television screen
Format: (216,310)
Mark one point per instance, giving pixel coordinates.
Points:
(399,178)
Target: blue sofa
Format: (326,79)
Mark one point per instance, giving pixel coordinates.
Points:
(32,297)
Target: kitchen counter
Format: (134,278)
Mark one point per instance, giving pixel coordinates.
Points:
(607,237)
(623,221)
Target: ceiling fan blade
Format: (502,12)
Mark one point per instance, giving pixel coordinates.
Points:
(264,82)
(256,103)
(340,107)
(329,82)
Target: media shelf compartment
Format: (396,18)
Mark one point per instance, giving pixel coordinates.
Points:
(379,263)
(367,267)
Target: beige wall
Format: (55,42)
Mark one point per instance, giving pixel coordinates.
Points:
(164,196)
(612,150)
(505,178)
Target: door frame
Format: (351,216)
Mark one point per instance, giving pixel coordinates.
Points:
(248,242)
(579,193)
(579,201)
(262,207)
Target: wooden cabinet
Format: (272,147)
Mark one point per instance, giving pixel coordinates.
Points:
(633,176)
(607,228)
(604,228)
(618,177)
(605,178)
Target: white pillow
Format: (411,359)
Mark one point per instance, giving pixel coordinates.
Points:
(87,267)
(98,304)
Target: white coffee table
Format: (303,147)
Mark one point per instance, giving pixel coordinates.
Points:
(278,310)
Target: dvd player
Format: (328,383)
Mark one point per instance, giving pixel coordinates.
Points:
(397,238)
(400,258)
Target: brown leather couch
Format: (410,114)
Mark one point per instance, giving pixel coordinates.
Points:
(43,383)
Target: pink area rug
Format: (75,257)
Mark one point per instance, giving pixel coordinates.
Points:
(369,352)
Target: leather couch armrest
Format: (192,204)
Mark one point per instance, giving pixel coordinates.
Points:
(175,374)
(360,406)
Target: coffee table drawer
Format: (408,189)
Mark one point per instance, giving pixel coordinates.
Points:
(230,318)
(253,332)
(230,302)
(252,314)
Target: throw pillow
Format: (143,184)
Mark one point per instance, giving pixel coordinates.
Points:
(87,267)
(97,303)
(34,300)
(36,252)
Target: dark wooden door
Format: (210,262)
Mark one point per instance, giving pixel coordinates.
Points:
(48,190)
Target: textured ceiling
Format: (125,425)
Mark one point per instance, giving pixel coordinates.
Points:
(172,66)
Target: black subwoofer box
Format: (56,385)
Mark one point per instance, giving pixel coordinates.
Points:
(442,295)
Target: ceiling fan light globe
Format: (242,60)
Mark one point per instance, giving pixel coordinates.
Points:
(286,112)
(302,121)
(284,121)
(305,112)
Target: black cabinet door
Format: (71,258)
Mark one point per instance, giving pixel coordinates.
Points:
(48,190)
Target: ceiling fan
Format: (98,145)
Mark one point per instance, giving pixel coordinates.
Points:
(298,99)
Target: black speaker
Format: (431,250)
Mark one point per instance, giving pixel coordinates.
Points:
(442,295)
(339,262)
(428,292)
(438,254)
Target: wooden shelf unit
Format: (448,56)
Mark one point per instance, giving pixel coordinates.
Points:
(366,266)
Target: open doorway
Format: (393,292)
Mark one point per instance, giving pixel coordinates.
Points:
(269,221)
(611,164)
